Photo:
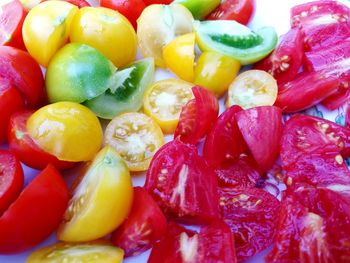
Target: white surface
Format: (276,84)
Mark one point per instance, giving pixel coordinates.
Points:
(268,13)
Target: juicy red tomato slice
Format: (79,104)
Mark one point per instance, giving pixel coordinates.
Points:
(11,179)
(284,62)
(239,10)
(18,67)
(145,225)
(264,136)
(182,184)
(214,243)
(35,214)
(337,100)
(24,147)
(193,126)
(12,16)
(252,215)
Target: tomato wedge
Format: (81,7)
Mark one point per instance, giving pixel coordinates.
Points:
(182,184)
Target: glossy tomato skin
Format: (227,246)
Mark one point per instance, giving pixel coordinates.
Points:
(145,225)
(50,195)
(23,146)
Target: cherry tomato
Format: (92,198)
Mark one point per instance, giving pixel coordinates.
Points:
(101,199)
(144,226)
(136,137)
(199,8)
(163,101)
(41,204)
(151,2)
(67,130)
(238,10)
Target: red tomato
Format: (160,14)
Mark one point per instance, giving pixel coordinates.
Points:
(24,72)
(131,9)
(347,116)
(239,10)
(23,146)
(145,225)
(193,126)
(12,15)
(35,214)
(214,243)
(252,215)
(151,2)
(264,136)
(182,184)
(337,100)
(11,179)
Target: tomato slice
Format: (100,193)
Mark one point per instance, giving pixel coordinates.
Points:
(42,204)
(214,243)
(182,184)
(337,100)
(192,126)
(238,10)
(144,225)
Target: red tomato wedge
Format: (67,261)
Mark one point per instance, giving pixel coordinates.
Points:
(252,215)
(11,179)
(261,128)
(197,116)
(145,225)
(284,62)
(214,243)
(35,214)
(239,10)
(24,147)
(337,100)
(12,15)
(182,184)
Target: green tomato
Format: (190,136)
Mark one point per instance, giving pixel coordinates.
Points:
(126,93)
(199,8)
(77,73)
(235,40)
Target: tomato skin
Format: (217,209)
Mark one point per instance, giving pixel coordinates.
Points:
(144,225)
(151,2)
(50,195)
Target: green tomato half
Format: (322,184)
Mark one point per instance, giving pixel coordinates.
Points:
(199,8)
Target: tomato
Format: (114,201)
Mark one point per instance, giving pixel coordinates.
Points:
(153,34)
(284,62)
(215,71)
(41,204)
(101,199)
(252,88)
(182,184)
(179,56)
(11,178)
(235,40)
(22,71)
(42,42)
(214,243)
(164,100)
(252,215)
(347,117)
(199,8)
(12,15)
(151,2)
(99,252)
(338,99)
(192,126)
(25,149)
(29,4)
(106,30)
(67,130)
(144,226)
(238,10)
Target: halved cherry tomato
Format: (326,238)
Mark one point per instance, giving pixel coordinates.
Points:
(101,199)
(136,137)
(144,226)
(163,101)
(35,214)
(182,184)
(192,125)
(11,179)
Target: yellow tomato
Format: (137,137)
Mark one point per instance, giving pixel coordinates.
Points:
(106,30)
(164,100)
(46,29)
(96,252)
(215,72)
(136,137)
(101,201)
(67,130)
